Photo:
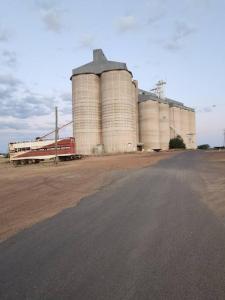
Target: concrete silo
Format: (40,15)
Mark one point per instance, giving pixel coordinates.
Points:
(136,110)
(192,133)
(185,126)
(86,112)
(104,106)
(118,111)
(149,124)
(164,125)
(175,121)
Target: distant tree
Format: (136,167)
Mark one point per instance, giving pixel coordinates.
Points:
(177,143)
(204,147)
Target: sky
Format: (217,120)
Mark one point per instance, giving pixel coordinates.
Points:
(41,41)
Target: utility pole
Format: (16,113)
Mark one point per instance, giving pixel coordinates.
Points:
(224,138)
(56,135)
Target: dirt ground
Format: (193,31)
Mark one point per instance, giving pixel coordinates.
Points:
(33,193)
(213,177)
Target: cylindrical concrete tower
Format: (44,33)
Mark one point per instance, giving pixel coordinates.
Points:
(164,125)
(137,113)
(192,137)
(86,112)
(118,108)
(185,126)
(149,124)
(175,121)
(135,125)
(194,129)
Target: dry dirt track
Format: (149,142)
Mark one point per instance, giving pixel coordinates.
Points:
(149,235)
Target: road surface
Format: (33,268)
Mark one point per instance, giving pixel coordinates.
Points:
(146,236)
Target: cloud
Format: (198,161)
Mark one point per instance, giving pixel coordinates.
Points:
(127,23)
(156,10)
(13,124)
(52,20)
(182,31)
(66,97)
(8,80)
(4,35)
(206,109)
(155,18)
(65,103)
(51,15)
(18,102)
(9,58)
(86,41)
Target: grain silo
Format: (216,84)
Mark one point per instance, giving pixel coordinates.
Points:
(118,112)
(192,138)
(104,106)
(149,122)
(175,121)
(164,125)
(136,110)
(86,112)
(185,126)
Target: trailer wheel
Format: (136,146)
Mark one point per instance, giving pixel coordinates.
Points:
(16,163)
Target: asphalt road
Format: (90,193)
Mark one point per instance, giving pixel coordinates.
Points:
(147,236)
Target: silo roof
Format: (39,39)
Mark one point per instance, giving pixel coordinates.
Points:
(145,96)
(99,65)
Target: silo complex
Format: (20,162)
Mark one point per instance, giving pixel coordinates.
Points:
(111,113)
(173,119)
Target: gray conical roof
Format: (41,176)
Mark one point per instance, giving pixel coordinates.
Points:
(99,65)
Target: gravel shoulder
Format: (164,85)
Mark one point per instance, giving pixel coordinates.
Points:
(212,173)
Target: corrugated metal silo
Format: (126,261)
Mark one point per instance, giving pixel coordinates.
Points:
(86,112)
(118,108)
(149,124)
(164,125)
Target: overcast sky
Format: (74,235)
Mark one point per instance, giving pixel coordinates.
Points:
(182,42)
